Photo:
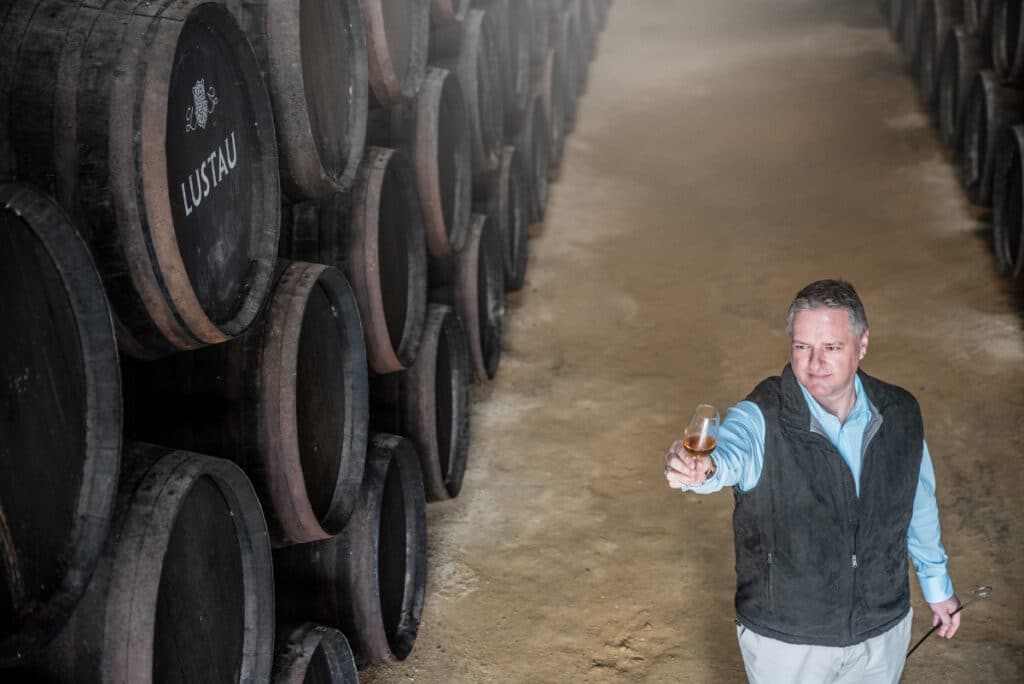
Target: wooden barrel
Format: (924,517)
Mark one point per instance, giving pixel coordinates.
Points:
(369,580)
(397,36)
(288,402)
(313,57)
(895,18)
(375,234)
(313,654)
(540,32)
(184,591)
(434,133)
(603,7)
(515,19)
(959,64)
(1008,203)
(978,23)
(470,51)
(548,82)
(154,129)
(533,144)
(477,292)
(507,203)
(447,12)
(977,16)
(989,111)
(937,18)
(429,403)
(566,34)
(1008,40)
(61,445)
(588,30)
(910,25)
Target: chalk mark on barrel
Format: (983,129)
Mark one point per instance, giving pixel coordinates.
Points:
(15,583)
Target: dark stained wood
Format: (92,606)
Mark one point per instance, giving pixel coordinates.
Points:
(990,110)
(288,402)
(186,570)
(937,19)
(433,132)
(506,202)
(1008,40)
(1008,203)
(470,51)
(387,259)
(397,35)
(313,57)
(532,142)
(177,196)
(447,12)
(960,61)
(61,446)
(547,81)
(375,234)
(313,654)
(477,292)
(429,403)
(369,580)
(569,53)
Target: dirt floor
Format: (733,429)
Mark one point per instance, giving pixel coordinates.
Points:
(726,154)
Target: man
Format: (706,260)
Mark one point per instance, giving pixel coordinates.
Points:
(833,485)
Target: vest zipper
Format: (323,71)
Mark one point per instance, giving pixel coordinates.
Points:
(771,591)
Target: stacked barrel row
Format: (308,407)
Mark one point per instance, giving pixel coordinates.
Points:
(273,238)
(967,58)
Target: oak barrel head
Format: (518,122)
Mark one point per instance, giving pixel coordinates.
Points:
(189,572)
(443,160)
(490,292)
(397,35)
(437,403)
(60,452)
(331,399)
(396,507)
(313,654)
(313,55)
(1008,203)
(211,148)
(387,263)
(201,595)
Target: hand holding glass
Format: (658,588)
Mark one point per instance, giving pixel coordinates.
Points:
(701,437)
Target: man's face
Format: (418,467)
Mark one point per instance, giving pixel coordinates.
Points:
(825,354)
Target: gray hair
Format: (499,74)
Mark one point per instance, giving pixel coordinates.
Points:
(831,294)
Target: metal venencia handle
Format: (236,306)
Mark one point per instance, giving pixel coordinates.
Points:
(977,593)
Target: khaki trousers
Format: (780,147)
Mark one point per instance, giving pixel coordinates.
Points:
(878,660)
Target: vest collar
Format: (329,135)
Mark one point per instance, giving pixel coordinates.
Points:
(794,407)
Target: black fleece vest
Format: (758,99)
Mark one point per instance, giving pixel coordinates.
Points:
(815,564)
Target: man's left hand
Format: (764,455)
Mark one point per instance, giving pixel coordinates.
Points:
(941,613)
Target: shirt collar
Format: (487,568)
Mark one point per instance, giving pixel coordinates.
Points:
(860,411)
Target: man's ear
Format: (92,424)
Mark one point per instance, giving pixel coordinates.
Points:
(864,344)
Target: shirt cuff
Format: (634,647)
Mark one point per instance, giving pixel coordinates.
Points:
(936,589)
(708,486)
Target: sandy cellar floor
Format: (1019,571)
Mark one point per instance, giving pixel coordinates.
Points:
(726,153)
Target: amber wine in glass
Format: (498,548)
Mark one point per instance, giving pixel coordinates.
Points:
(701,436)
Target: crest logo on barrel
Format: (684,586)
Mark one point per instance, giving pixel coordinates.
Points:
(204,102)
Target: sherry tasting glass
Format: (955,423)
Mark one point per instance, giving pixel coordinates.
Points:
(701,436)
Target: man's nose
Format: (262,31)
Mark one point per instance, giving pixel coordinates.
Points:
(817,358)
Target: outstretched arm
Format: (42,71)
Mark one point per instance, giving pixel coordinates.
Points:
(738,456)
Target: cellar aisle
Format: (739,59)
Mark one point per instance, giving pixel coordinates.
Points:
(725,155)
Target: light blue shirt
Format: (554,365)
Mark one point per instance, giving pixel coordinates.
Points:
(740,458)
